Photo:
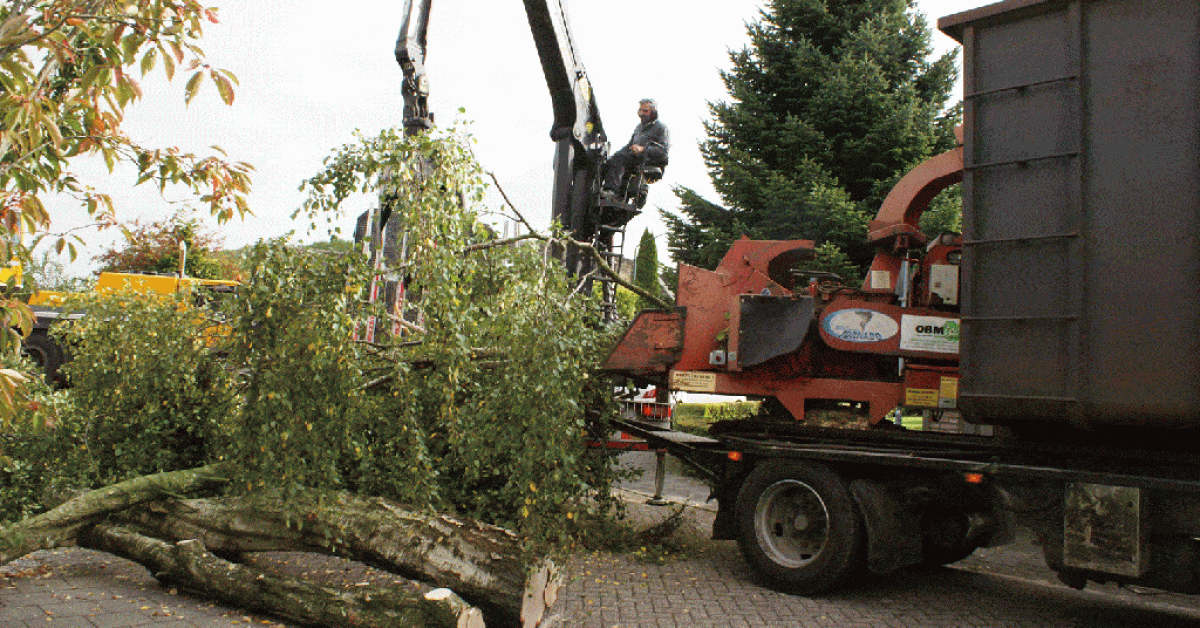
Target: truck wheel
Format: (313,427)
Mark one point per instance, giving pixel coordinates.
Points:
(45,354)
(798,527)
(945,538)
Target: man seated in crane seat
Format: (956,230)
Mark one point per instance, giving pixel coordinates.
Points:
(648,146)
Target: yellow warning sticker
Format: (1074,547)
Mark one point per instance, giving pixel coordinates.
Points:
(693,381)
(921,397)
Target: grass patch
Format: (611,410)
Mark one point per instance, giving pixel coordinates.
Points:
(695,418)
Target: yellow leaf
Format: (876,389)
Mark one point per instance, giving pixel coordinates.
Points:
(55,136)
(129,46)
(134,87)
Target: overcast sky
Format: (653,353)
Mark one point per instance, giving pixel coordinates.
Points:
(309,76)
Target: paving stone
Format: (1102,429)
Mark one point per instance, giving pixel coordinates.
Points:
(21,613)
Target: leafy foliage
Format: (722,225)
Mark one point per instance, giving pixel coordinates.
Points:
(154,248)
(301,371)
(944,213)
(67,70)
(627,303)
(160,385)
(831,259)
(47,272)
(831,102)
(486,402)
(42,447)
(143,374)
(482,405)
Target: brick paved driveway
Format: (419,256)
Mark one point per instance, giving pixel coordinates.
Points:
(1002,587)
(716,589)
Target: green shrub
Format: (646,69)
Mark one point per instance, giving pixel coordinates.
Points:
(43,456)
(145,375)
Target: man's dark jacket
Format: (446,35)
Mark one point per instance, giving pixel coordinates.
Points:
(657,140)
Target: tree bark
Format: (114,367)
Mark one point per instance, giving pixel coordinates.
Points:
(189,565)
(482,563)
(61,525)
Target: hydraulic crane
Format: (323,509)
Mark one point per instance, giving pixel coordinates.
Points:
(580,144)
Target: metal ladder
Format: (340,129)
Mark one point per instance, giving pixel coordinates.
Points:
(612,254)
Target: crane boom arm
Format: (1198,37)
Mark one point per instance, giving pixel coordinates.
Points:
(581,146)
(570,92)
(410,54)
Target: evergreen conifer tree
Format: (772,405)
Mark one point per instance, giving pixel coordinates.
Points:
(645,274)
(830,104)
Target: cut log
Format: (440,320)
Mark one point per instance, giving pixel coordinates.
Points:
(61,525)
(189,565)
(484,564)
(454,606)
(540,593)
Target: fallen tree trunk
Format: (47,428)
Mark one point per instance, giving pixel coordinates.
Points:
(189,565)
(61,525)
(482,563)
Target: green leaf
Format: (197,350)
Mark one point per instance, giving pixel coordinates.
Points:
(193,86)
(169,66)
(129,46)
(224,87)
(148,60)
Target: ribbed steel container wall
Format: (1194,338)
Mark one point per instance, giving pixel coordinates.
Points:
(1081,214)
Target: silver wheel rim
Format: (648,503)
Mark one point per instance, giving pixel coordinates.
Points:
(791,523)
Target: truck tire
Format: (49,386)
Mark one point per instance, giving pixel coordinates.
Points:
(945,538)
(798,527)
(45,354)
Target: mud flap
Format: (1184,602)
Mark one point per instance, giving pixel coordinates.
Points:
(1104,529)
(893,533)
(725,523)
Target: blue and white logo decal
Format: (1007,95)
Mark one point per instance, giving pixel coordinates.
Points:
(859,325)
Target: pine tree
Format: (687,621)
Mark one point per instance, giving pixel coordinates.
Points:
(831,103)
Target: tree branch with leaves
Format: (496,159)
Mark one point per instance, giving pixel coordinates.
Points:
(66,77)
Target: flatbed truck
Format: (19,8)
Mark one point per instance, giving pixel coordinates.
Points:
(1066,317)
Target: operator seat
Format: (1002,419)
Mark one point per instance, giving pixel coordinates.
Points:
(638,181)
(652,173)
